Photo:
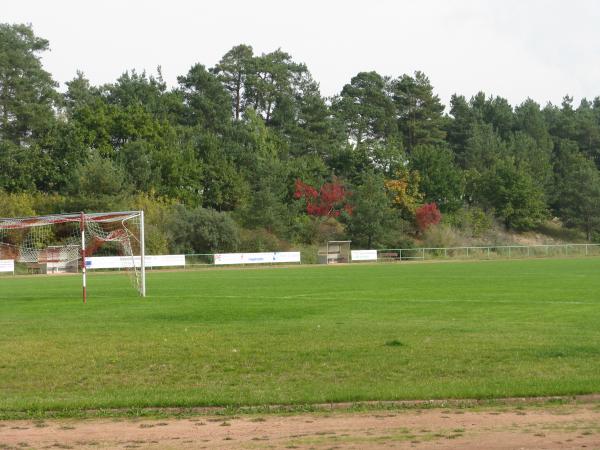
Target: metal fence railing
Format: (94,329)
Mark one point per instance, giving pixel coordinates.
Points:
(440,253)
(207,260)
(488,252)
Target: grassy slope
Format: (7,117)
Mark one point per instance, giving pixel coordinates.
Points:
(310,334)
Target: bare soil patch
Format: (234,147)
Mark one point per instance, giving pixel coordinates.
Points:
(564,426)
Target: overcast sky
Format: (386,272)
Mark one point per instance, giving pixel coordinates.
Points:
(515,49)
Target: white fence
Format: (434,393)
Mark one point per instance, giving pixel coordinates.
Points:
(489,252)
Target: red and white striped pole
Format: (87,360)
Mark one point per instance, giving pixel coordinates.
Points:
(82,226)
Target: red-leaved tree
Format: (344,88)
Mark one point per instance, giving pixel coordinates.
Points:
(427,215)
(329,201)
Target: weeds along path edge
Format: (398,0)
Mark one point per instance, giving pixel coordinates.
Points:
(300,408)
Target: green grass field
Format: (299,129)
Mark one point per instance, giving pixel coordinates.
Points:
(302,335)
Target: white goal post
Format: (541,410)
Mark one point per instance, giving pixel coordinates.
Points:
(61,243)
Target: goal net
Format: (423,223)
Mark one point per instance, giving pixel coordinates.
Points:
(62,243)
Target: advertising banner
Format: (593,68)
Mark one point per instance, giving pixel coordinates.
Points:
(125,262)
(7,265)
(257,258)
(363,255)
(286,257)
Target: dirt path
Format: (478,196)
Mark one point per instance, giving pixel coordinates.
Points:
(546,427)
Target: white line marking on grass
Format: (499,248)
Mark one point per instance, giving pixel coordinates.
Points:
(373,299)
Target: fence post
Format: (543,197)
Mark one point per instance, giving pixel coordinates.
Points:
(423,258)
(509,248)
(400,255)
(586,250)
(445,253)
(467,252)
(488,253)
(528,251)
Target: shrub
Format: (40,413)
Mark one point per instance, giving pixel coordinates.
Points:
(158,212)
(440,236)
(308,253)
(201,230)
(472,221)
(427,215)
(17,205)
(399,240)
(261,240)
(315,230)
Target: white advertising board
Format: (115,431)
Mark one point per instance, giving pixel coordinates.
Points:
(125,262)
(163,261)
(286,257)
(363,255)
(257,258)
(7,265)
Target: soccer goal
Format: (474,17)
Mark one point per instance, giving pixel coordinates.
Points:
(334,252)
(63,243)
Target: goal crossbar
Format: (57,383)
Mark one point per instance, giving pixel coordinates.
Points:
(25,222)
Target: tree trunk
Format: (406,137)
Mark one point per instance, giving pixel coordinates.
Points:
(269,106)
(237,96)
(4,108)
(588,230)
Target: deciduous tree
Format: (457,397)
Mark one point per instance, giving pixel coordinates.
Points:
(441,181)
(427,215)
(329,201)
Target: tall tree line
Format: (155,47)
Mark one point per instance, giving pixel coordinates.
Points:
(222,150)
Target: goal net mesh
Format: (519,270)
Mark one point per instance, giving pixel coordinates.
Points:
(52,244)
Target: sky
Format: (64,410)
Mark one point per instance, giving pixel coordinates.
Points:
(539,49)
